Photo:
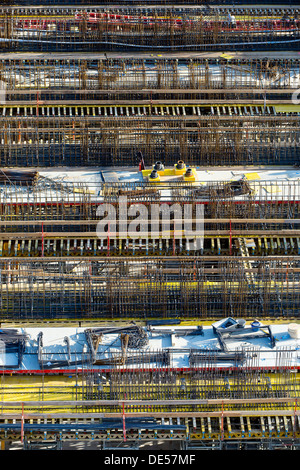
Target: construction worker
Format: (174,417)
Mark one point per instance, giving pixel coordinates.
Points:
(231,21)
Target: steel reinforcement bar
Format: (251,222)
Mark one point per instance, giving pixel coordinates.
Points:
(83,245)
(220,3)
(77,30)
(116,138)
(183,287)
(27,77)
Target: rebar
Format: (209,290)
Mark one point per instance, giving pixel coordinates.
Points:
(75,29)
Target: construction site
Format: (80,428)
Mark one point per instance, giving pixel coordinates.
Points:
(149,225)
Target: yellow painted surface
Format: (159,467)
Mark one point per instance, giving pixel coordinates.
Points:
(39,388)
(287,108)
(196,284)
(168,172)
(252,176)
(43,388)
(154,180)
(191,178)
(84,190)
(226,56)
(272,189)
